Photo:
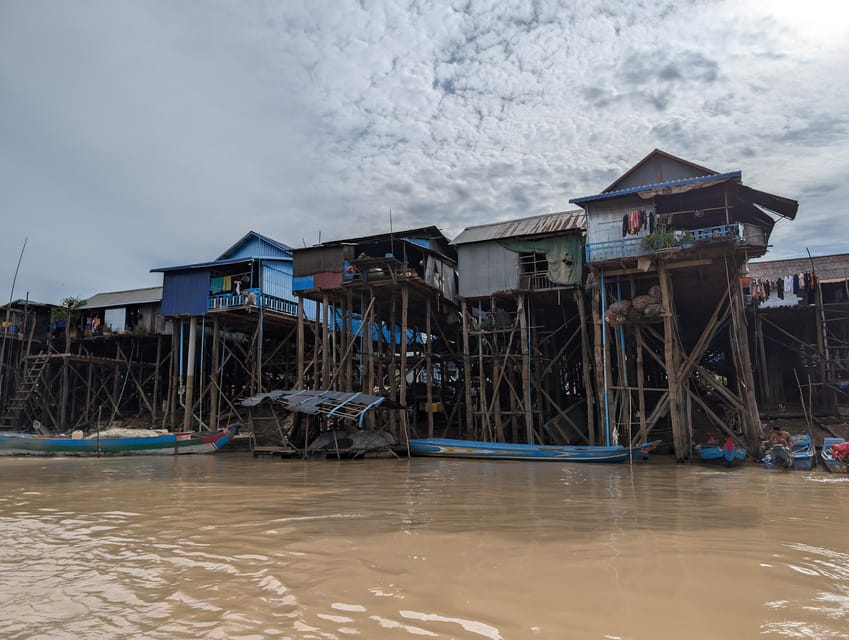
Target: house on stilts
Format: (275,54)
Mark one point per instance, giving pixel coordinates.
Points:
(667,243)
(526,357)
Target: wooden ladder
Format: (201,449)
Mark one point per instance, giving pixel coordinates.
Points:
(20,405)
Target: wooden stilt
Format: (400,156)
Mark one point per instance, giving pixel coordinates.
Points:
(641,395)
(214,375)
(405,296)
(157,374)
(671,363)
(526,388)
(429,367)
(190,375)
(586,367)
(393,366)
(299,380)
(467,371)
(325,341)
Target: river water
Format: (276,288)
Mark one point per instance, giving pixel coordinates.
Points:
(228,546)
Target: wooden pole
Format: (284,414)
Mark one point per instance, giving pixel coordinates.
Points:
(190,375)
(467,370)
(526,363)
(429,367)
(598,327)
(586,366)
(393,368)
(671,363)
(299,380)
(325,341)
(214,374)
(405,295)
(641,396)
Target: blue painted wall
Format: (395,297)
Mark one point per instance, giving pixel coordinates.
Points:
(258,248)
(185,293)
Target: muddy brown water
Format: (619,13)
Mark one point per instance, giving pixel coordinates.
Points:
(228,546)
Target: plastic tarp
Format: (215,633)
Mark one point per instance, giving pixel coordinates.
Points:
(565,256)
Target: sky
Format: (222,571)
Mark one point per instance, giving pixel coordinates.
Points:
(155,133)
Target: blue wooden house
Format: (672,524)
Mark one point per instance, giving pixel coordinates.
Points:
(256,272)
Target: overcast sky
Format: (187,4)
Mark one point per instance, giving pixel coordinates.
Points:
(152,133)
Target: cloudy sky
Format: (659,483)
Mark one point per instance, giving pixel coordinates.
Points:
(154,133)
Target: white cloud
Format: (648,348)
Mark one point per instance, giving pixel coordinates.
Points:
(142,135)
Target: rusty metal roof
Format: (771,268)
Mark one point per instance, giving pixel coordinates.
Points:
(828,268)
(547,224)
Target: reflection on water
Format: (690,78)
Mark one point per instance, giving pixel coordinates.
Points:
(227,546)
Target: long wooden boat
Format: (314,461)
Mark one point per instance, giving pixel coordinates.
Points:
(167,444)
(448,448)
(834,461)
(727,454)
(801,456)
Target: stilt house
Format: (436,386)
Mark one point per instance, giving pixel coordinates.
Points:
(525,345)
(666,243)
(387,311)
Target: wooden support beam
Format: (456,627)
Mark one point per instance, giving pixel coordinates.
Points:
(405,299)
(429,368)
(467,371)
(190,375)
(671,364)
(586,366)
(526,385)
(214,373)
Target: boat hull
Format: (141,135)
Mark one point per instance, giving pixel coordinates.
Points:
(801,456)
(24,444)
(724,455)
(448,448)
(829,461)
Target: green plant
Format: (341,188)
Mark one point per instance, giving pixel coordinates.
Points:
(67,310)
(664,238)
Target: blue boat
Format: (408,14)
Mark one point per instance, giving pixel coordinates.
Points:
(834,460)
(448,448)
(727,454)
(103,444)
(800,456)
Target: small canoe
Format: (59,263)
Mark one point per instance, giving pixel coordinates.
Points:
(167,444)
(448,448)
(801,456)
(727,454)
(833,457)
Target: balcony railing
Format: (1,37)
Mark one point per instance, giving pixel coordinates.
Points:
(636,247)
(251,298)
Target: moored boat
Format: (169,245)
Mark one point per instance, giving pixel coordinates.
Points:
(103,444)
(727,454)
(449,448)
(799,456)
(835,455)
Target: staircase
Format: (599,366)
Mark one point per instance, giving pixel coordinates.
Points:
(18,412)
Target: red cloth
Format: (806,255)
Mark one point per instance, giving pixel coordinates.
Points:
(840,451)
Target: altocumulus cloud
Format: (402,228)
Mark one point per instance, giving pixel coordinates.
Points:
(146,134)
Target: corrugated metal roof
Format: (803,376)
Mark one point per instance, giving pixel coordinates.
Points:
(124,298)
(834,267)
(660,185)
(549,223)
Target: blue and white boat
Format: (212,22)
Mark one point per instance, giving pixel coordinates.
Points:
(834,461)
(448,448)
(800,456)
(727,454)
